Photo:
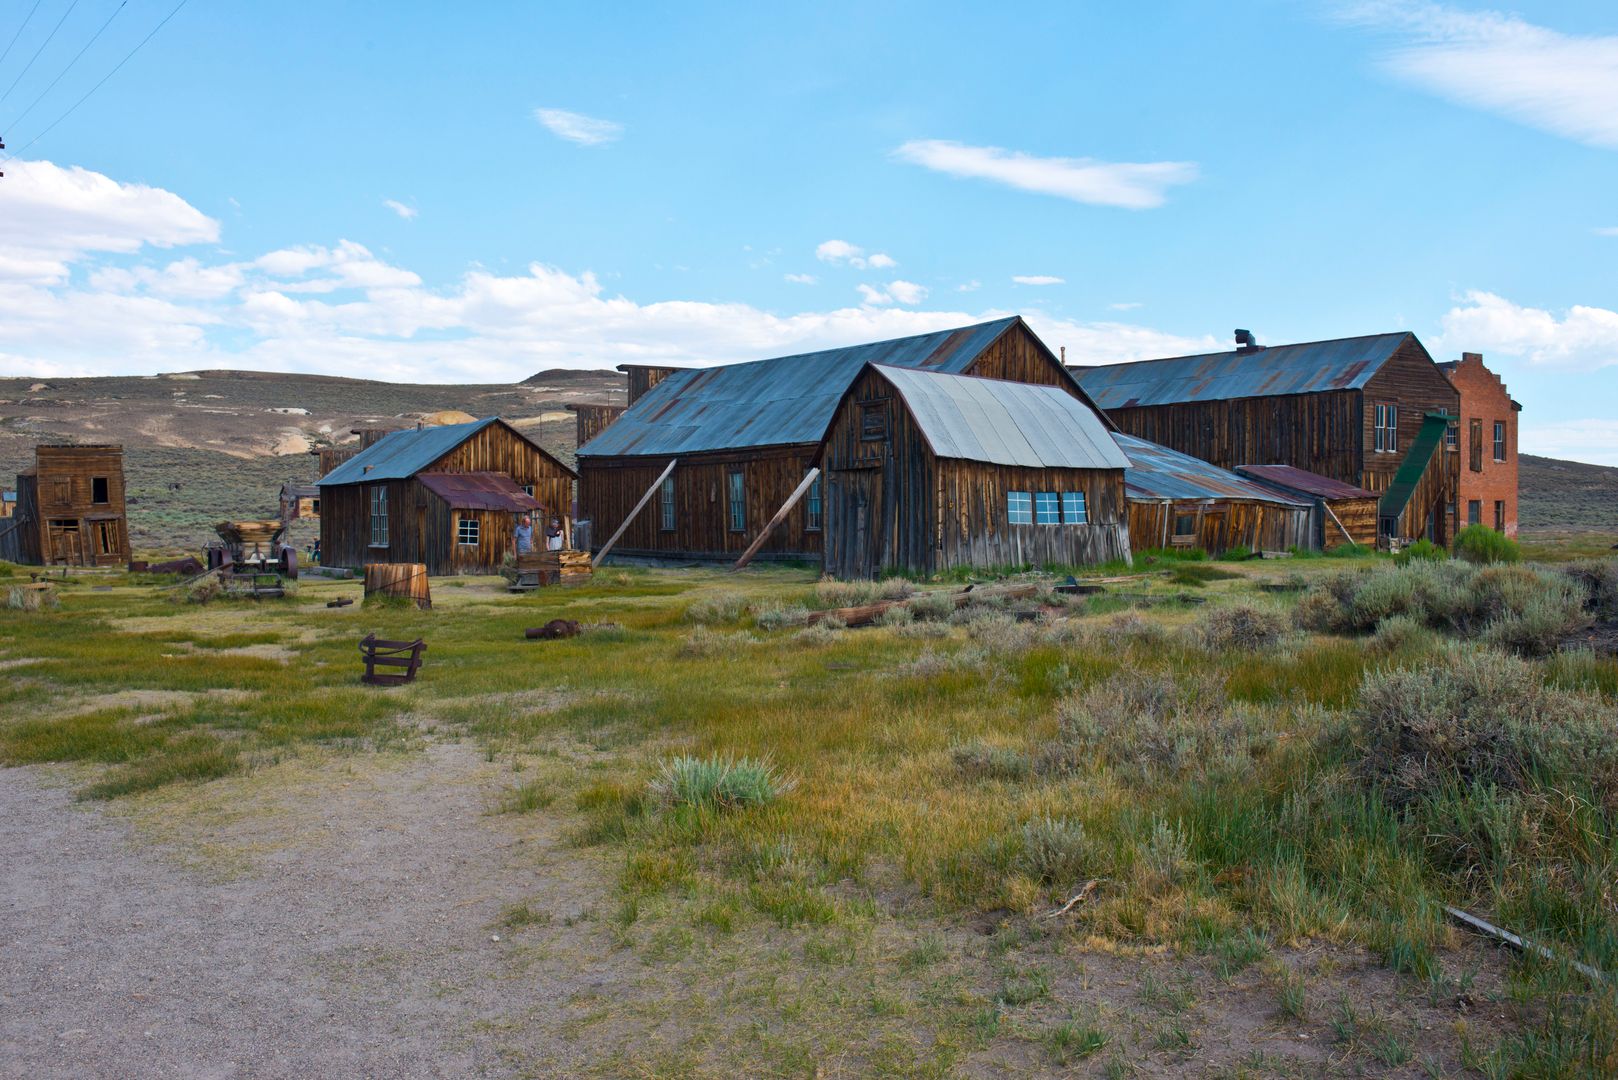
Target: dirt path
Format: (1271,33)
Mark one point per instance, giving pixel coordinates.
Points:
(362,948)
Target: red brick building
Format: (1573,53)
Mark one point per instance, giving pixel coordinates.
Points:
(1485,439)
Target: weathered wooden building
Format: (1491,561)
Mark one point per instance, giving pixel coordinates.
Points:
(925,471)
(299,501)
(1342,513)
(70,509)
(742,437)
(447,497)
(8,503)
(1179,501)
(1352,409)
(592,418)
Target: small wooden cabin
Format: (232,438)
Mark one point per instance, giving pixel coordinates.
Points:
(927,471)
(299,501)
(8,503)
(70,508)
(1178,501)
(448,497)
(1343,513)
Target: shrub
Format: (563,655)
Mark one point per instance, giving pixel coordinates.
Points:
(705,641)
(1241,629)
(719,783)
(1198,574)
(937,605)
(1403,635)
(779,617)
(1057,851)
(1598,578)
(1165,858)
(980,761)
(1319,610)
(719,607)
(896,616)
(1133,628)
(1422,549)
(821,633)
(1481,544)
(21,599)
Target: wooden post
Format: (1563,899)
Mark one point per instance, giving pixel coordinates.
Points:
(780,516)
(644,499)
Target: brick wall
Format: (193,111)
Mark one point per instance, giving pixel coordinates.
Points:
(1484,399)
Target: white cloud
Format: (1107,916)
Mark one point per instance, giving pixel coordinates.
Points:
(969,286)
(1038,279)
(404,210)
(1566,84)
(907,292)
(870,294)
(801,279)
(842,253)
(1132,185)
(1581,339)
(1611,230)
(1594,441)
(578,128)
(1127,305)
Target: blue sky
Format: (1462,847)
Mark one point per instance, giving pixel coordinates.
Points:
(475,192)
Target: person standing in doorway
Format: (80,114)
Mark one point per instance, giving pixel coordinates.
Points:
(524,535)
(553,535)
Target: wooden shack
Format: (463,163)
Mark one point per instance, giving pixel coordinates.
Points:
(70,508)
(447,497)
(1342,514)
(8,503)
(299,501)
(927,471)
(592,418)
(1179,501)
(1352,409)
(742,438)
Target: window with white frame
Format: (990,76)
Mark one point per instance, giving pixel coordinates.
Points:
(1074,511)
(379,516)
(1387,429)
(1047,508)
(466,531)
(1019,508)
(666,503)
(812,506)
(1499,440)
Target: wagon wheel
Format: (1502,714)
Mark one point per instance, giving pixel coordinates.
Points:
(289,563)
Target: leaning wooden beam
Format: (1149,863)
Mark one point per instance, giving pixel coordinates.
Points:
(644,499)
(780,516)
(1520,943)
(1326,507)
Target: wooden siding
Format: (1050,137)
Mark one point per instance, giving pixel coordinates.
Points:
(333,456)
(1222,524)
(1018,356)
(592,420)
(69,526)
(1358,517)
(1417,386)
(610,487)
(640,378)
(1318,432)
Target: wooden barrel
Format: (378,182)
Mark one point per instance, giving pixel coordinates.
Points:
(408,580)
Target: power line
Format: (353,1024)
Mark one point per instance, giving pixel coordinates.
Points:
(70,63)
(39,50)
(20,29)
(97,86)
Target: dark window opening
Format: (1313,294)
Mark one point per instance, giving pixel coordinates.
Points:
(1499,515)
(1474,512)
(107,537)
(666,503)
(1185,524)
(1474,435)
(812,507)
(873,421)
(379,516)
(738,501)
(99,490)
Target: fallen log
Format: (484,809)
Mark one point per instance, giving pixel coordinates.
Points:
(344,601)
(556,628)
(867,614)
(1520,943)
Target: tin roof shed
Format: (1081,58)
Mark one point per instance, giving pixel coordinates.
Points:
(1156,472)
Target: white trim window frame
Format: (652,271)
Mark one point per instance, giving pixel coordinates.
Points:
(1019,508)
(379,515)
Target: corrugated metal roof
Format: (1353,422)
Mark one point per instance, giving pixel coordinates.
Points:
(777,402)
(479,491)
(1311,367)
(1156,472)
(1004,423)
(401,454)
(1295,479)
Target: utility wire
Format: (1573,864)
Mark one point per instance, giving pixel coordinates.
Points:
(98,85)
(39,50)
(70,63)
(20,29)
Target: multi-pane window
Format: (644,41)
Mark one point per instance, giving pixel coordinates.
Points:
(737,492)
(1474,512)
(1387,429)
(1074,512)
(812,506)
(666,503)
(379,516)
(1499,515)
(466,531)
(1019,508)
(1047,508)
(1452,436)
(873,420)
(1474,435)
(1499,440)
(1185,524)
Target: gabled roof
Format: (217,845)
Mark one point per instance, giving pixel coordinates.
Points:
(1156,472)
(1311,367)
(784,401)
(1004,423)
(402,454)
(479,491)
(1294,479)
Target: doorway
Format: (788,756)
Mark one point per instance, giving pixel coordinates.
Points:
(66,547)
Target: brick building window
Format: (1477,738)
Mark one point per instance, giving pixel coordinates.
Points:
(1019,508)
(1387,429)
(1474,435)
(1474,512)
(1499,515)
(1499,440)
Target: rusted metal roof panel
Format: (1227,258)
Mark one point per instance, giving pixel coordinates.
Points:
(1005,423)
(779,402)
(1300,480)
(1311,367)
(401,454)
(1156,472)
(479,491)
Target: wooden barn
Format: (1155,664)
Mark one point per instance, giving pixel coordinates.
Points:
(445,496)
(1179,501)
(1352,409)
(70,509)
(1343,513)
(299,501)
(926,471)
(741,438)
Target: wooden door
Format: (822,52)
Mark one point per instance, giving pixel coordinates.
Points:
(870,534)
(65,548)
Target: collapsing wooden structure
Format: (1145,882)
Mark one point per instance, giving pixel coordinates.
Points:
(1352,409)
(69,509)
(741,439)
(1179,501)
(447,497)
(299,501)
(1342,513)
(928,471)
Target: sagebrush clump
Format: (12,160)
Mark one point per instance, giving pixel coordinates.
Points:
(719,607)
(1241,629)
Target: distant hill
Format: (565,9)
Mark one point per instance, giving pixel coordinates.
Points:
(1567,496)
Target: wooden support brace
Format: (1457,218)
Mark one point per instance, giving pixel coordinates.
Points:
(780,516)
(1329,513)
(644,499)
